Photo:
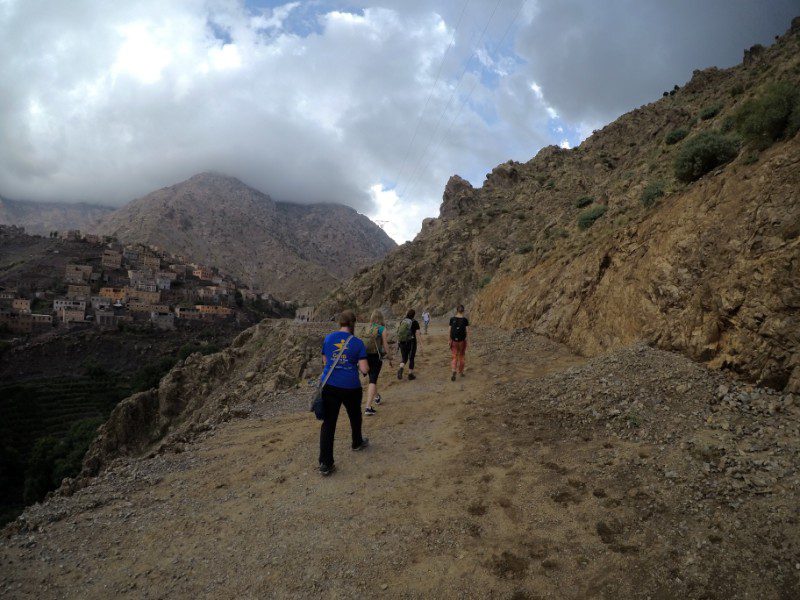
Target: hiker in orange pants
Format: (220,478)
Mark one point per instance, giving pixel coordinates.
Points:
(459,329)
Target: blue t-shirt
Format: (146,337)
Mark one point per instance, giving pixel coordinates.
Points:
(345,375)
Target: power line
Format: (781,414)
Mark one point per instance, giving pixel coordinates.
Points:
(450,100)
(430,94)
(472,89)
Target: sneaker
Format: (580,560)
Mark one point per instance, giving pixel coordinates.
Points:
(369,411)
(400,373)
(377,399)
(411,377)
(364,444)
(326,470)
(453,378)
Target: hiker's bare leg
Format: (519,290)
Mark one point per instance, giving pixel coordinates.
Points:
(372,391)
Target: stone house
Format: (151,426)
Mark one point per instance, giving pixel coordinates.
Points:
(216,311)
(147,307)
(62,303)
(71,315)
(114,294)
(21,305)
(203,273)
(111,259)
(150,297)
(131,255)
(77,273)
(304,313)
(99,302)
(150,261)
(91,238)
(189,313)
(78,292)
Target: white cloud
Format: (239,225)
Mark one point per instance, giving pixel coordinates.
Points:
(105,101)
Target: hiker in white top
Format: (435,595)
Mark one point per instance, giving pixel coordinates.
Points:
(426,320)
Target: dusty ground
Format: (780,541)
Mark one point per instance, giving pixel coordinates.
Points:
(533,477)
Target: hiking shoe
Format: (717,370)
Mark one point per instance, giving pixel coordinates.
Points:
(453,377)
(462,374)
(411,376)
(377,399)
(400,373)
(364,444)
(326,470)
(369,411)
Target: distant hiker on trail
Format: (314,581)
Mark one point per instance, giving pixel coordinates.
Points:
(407,340)
(426,320)
(459,328)
(347,355)
(377,340)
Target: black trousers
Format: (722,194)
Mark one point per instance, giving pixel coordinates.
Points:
(408,350)
(333,398)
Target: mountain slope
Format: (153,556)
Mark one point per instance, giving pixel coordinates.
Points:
(709,268)
(292,251)
(44,217)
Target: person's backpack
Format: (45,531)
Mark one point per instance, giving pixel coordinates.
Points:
(404,330)
(372,338)
(458,329)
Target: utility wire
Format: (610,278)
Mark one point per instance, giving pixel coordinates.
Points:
(430,94)
(472,89)
(450,100)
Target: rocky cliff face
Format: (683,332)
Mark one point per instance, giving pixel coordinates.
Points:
(292,251)
(710,268)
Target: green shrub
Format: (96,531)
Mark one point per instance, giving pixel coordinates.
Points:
(652,192)
(587,218)
(709,112)
(485,281)
(750,159)
(676,135)
(737,90)
(52,460)
(550,185)
(702,153)
(583,201)
(525,248)
(773,115)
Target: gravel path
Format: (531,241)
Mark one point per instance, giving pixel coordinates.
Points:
(539,475)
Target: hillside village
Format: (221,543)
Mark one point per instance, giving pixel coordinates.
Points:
(119,284)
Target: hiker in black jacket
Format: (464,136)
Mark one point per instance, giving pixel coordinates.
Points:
(407,340)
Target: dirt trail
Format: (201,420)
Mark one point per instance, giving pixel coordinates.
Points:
(459,495)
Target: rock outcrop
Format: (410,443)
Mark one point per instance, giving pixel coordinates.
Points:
(709,268)
(202,391)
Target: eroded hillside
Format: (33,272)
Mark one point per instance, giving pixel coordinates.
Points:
(604,244)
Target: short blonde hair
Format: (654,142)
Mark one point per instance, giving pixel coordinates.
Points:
(377,317)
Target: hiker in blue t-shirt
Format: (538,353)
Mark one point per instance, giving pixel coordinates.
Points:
(347,356)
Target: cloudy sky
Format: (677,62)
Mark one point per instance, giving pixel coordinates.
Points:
(373,104)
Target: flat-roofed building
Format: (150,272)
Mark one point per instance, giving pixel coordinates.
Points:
(77,273)
(71,315)
(63,303)
(114,294)
(21,305)
(211,309)
(143,295)
(111,259)
(78,292)
(100,302)
(188,312)
(203,273)
(147,307)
